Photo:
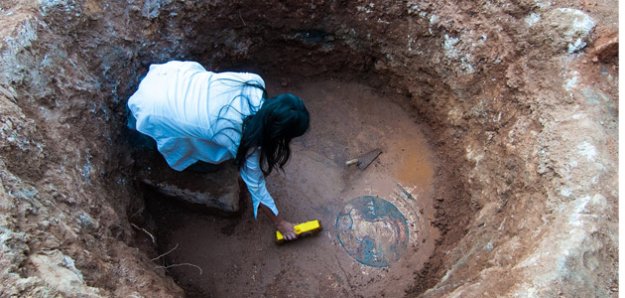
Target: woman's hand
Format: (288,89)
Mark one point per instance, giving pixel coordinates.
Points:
(287,230)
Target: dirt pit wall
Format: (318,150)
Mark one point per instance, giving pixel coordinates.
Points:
(521,116)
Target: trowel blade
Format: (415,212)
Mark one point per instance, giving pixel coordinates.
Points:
(365,160)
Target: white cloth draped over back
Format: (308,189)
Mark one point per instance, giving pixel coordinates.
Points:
(196,115)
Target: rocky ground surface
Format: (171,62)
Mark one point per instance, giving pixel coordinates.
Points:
(520,98)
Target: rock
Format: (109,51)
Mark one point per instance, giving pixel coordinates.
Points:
(60,271)
(605,48)
(218,189)
(87,222)
(566,29)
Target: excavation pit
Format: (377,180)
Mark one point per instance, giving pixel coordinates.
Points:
(516,101)
(389,206)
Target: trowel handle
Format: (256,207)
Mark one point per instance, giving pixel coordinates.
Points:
(351,162)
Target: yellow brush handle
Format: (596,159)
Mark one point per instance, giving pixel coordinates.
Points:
(302,228)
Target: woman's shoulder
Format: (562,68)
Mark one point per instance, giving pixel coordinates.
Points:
(179,65)
(241,77)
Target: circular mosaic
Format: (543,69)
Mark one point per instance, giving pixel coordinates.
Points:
(372,230)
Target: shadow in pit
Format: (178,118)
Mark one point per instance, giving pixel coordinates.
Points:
(161,213)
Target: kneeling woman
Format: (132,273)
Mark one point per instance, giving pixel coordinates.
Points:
(200,116)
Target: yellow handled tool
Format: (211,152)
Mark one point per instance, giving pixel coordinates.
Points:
(302,229)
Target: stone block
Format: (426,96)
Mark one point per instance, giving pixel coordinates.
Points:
(215,188)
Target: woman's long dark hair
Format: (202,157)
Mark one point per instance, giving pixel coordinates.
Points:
(272,127)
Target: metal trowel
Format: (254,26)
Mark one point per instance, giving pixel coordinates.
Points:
(364,160)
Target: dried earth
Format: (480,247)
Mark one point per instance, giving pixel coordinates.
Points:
(518,101)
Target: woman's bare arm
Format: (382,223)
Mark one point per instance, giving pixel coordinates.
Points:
(285,227)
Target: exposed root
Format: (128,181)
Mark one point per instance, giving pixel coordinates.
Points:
(145,231)
(244,24)
(168,252)
(181,264)
(137,212)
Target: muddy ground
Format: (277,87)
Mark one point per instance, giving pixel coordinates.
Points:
(348,119)
(517,102)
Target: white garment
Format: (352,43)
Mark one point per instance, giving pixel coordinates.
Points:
(194,114)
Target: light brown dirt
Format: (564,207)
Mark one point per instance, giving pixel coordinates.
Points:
(524,133)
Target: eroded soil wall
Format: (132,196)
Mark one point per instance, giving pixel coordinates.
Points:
(523,118)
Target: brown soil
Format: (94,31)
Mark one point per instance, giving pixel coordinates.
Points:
(238,255)
(522,120)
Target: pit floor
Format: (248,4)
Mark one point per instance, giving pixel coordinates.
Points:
(238,255)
